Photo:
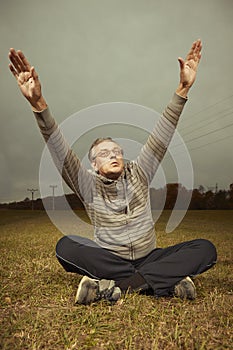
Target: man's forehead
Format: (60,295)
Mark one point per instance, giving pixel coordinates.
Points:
(106,145)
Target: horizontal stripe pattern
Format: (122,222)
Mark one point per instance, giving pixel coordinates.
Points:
(118,209)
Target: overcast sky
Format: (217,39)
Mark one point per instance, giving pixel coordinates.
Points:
(89,52)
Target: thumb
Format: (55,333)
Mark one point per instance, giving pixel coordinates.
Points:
(181,62)
(33,73)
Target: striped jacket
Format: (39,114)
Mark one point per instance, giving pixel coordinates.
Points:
(118,209)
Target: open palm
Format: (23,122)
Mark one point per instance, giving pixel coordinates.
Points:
(188,67)
(26,76)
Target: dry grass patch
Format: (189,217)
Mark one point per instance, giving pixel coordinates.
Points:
(37,296)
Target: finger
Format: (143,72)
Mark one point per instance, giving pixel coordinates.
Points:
(181,62)
(13,71)
(17,59)
(20,62)
(24,60)
(13,56)
(198,48)
(191,51)
(196,55)
(195,51)
(33,73)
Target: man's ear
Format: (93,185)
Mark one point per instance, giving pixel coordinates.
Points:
(94,165)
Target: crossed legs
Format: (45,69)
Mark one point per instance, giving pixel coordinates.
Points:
(161,270)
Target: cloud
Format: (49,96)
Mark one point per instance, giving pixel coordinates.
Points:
(93,52)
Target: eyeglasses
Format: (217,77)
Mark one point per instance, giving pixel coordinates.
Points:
(106,152)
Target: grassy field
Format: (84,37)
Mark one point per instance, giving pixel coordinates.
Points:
(37,295)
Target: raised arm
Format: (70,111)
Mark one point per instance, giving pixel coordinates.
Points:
(27,79)
(156,146)
(68,164)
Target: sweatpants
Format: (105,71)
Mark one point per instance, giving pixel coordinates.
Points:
(162,268)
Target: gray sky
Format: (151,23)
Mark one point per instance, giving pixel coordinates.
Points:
(89,52)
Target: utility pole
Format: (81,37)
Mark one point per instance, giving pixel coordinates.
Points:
(53,187)
(32,192)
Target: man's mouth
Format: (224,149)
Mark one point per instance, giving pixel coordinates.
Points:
(114,163)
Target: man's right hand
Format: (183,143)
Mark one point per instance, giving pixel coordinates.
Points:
(27,79)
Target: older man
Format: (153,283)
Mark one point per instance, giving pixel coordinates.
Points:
(116,198)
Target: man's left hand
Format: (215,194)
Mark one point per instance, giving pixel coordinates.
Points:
(188,68)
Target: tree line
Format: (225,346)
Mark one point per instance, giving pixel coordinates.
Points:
(160,198)
(200,198)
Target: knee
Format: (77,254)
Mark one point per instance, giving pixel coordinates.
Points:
(72,243)
(208,248)
(61,244)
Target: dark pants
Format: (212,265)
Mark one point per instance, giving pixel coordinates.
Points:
(162,269)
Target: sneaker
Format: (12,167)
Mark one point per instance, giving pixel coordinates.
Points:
(90,290)
(185,289)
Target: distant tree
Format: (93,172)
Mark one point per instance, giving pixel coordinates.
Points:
(197,200)
(231,191)
(157,198)
(209,200)
(220,200)
(201,189)
(230,197)
(172,191)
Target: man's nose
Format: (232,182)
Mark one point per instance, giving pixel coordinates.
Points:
(112,154)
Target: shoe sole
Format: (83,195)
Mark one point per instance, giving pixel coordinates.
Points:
(186,289)
(87,291)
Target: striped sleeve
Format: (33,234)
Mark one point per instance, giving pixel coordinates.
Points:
(77,177)
(158,141)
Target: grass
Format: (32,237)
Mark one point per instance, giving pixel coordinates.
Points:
(37,295)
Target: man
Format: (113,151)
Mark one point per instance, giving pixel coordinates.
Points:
(116,198)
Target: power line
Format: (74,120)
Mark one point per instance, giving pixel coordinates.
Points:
(210,143)
(208,123)
(208,117)
(206,144)
(208,107)
(198,137)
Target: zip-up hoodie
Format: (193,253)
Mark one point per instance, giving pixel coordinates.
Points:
(118,209)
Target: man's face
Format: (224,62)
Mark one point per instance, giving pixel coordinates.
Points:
(108,159)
